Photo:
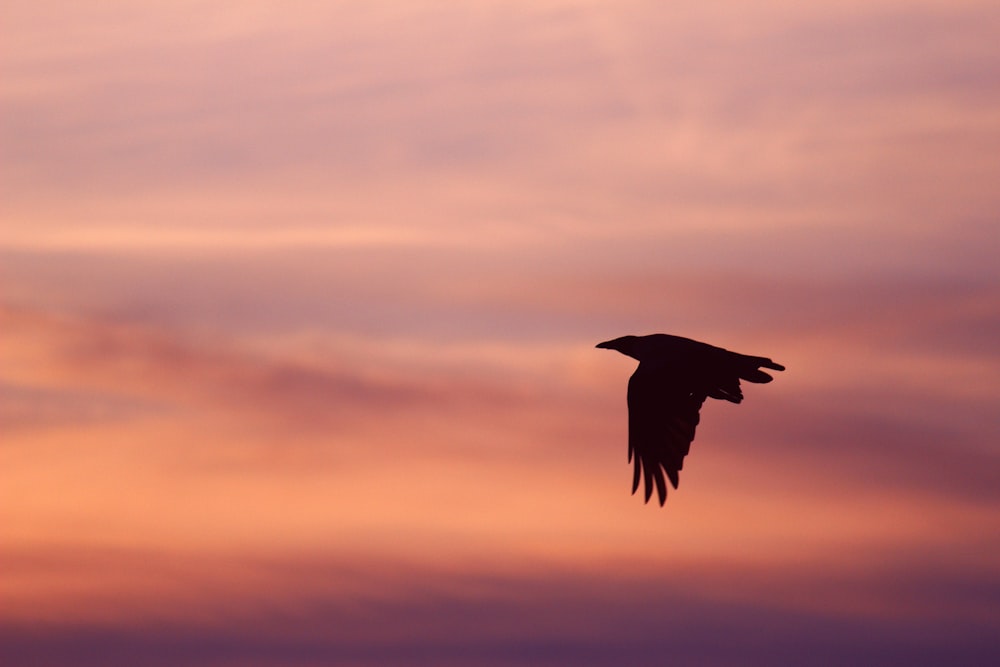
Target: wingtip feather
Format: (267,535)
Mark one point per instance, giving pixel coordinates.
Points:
(661,485)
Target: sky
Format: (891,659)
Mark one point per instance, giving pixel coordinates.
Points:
(298,306)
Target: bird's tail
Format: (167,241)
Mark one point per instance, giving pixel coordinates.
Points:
(751,369)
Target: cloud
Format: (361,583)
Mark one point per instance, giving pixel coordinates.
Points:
(155,365)
(28,407)
(309,611)
(845,444)
(438,117)
(803,283)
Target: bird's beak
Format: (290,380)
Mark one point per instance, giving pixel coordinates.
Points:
(607,345)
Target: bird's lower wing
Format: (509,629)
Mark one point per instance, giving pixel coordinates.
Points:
(662,418)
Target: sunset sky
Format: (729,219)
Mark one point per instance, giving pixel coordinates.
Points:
(298,306)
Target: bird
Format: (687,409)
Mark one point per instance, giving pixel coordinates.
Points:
(665,394)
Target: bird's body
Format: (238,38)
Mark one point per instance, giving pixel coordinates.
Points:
(666,392)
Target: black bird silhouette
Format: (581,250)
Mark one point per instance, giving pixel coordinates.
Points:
(674,377)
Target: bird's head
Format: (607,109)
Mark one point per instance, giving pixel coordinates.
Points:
(627,345)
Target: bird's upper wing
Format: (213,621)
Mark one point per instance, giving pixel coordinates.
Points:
(662,416)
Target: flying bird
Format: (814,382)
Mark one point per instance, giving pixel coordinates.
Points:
(674,377)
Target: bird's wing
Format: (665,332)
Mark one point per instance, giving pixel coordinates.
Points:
(722,371)
(662,416)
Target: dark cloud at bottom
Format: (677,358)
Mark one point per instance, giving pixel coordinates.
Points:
(557,620)
(715,636)
(818,643)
